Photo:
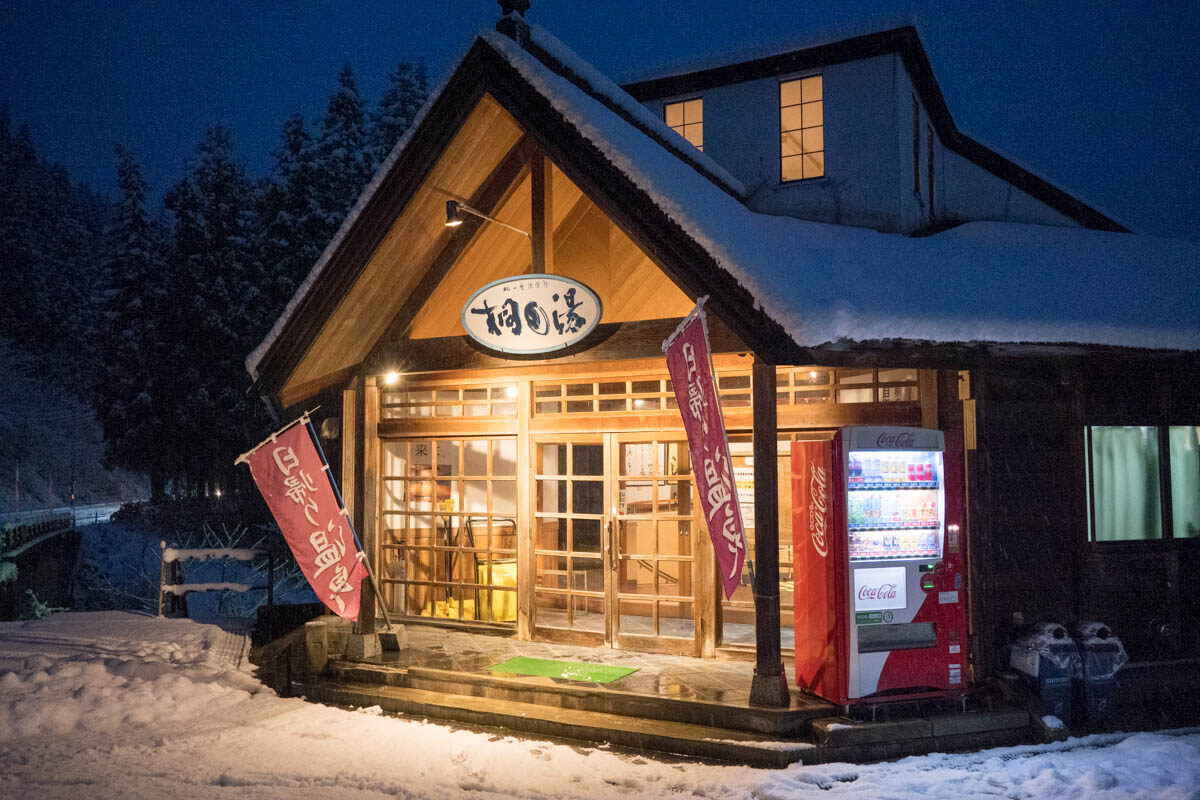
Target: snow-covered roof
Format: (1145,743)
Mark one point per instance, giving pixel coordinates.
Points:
(983,281)
(835,285)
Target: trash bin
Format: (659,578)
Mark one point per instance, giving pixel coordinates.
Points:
(1048,662)
(1101,657)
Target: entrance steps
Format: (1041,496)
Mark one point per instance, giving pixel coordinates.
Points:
(808,732)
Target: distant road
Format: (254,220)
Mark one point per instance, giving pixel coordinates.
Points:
(84,515)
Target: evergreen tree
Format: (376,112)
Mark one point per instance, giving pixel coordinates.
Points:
(407,89)
(344,157)
(131,392)
(292,224)
(49,231)
(213,284)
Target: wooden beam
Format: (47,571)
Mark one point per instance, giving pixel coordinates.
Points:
(542,214)
(769,685)
(610,341)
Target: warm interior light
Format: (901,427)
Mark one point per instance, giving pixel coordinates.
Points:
(390,378)
(510,391)
(453,218)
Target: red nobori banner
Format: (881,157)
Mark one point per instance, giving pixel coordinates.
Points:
(289,472)
(690,366)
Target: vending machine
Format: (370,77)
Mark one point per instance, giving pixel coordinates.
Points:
(879,577)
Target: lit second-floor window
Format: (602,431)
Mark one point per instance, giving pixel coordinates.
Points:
(801,129)
(687,119)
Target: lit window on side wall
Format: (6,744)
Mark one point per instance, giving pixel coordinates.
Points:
(801,129)
(687,119)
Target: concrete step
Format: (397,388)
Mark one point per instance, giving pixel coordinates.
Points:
(788,723)
(696,741)
(874,741)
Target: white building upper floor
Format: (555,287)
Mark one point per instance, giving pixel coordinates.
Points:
(855,133)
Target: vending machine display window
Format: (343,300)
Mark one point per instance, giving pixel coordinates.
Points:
(894,505)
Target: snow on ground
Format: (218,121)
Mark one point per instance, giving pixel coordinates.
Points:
(114,704)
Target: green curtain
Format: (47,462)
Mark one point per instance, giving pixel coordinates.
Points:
(1185,480)
(1125,483)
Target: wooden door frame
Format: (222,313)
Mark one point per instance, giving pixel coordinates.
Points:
(529,566)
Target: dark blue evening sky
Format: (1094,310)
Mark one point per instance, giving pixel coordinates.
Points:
(1102,99)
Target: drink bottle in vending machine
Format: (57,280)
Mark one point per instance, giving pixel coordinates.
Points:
(879,578)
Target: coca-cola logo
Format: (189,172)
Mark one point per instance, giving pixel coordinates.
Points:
(895,440)
(884,591)
(818,512)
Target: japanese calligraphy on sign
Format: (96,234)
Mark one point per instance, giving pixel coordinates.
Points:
(531,314)
(290,474)
(690,366)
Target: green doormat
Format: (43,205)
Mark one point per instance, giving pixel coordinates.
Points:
(571,670)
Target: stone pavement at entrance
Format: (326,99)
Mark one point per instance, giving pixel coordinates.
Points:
(673,677)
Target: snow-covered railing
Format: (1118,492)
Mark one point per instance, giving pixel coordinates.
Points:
(171,583)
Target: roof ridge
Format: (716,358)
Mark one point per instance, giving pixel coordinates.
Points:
(568,64)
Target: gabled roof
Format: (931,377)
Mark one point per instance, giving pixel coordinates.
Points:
(906,43)
(793,291)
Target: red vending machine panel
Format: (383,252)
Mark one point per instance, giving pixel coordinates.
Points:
(879,593)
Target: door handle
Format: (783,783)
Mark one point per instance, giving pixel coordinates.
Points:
(612,549)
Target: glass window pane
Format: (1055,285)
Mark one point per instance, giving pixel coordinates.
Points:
(504,457)
(814,165)
(693,110)
(504,498)
(673,112)
(694,134)
(789,144)
(1185,481)
(792,168)
(892,375)
(790,118)
(813,114)
(855,376)
(855,395)
(587,459)
(789,93)
(1125,483)
(810,89)
(475,456)
(813,139)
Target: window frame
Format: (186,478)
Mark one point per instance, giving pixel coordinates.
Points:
(1168,540)
(779,128)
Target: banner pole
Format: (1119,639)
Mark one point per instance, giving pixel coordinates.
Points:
(302,418)
(342,504)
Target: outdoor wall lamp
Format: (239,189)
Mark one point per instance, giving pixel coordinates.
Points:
(455,210)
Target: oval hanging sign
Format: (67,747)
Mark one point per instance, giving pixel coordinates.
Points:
(531,314)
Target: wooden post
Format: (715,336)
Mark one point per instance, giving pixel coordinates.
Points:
(769,685)
(526,561)
(541,213)
(368,490)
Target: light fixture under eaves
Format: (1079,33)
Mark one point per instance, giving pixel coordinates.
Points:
(455,210)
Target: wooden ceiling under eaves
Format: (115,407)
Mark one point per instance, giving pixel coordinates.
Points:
(587,246)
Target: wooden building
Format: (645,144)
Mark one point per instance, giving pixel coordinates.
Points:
(550,494)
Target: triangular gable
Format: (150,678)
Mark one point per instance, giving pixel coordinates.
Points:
(372,274)
(587,247)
